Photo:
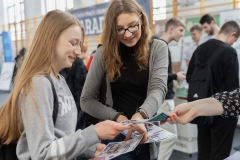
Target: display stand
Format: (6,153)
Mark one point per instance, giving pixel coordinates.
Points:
(187,135)
(6,76)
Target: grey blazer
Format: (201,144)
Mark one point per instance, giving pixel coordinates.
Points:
(157,87)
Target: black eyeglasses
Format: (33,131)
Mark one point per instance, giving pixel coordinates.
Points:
(130,29)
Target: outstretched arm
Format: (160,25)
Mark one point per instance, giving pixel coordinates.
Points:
(186,112)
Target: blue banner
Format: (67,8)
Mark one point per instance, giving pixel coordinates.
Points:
(92,18)
(7,46)
(146,6)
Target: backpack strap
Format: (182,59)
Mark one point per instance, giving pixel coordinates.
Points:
(216,53)
(55,102)
(5,150)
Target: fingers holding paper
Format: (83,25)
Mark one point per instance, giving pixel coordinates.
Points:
(186,112)
(141,129)
(182,114)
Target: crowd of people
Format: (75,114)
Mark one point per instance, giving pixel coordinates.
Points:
(138,74)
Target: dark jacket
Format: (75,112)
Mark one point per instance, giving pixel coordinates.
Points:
(224,70)
(75,78)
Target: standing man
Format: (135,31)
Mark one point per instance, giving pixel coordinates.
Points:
(174,30)
(215,139)
(196,34)
(209,26)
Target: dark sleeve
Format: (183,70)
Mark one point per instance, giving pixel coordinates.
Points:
(172,77)
(78,80)
(230,70)
(230,102)
(191,65)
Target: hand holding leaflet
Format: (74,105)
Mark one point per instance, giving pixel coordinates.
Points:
(158,118)
(155,133)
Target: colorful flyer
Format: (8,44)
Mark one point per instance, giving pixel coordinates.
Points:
(158,118)
(115,149)
(155,133)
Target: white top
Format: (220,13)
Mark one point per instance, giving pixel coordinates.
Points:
(205,38)
(189,51)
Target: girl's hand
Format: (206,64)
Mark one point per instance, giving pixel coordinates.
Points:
(182,114)
(121,118)
(137,127)
(109,129)
(99,149)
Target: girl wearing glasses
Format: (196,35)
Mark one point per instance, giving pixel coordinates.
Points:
(136,73)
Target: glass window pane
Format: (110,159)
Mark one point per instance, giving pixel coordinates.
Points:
(61,4)
(10,3)
(18,28)
(50,5)
(22,12)
(18,12)
(17,1)
(11,15)
(69,4)
(12,30)
(159,11)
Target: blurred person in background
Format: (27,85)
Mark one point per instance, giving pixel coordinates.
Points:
(215,137)
(75,78)
(174,30)
(18,62)
(209,26)
(85,55)
(196,34)
(91,58)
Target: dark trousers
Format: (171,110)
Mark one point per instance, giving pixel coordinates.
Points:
(215,140)
(141,152)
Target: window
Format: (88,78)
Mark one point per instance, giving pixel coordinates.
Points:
(15,11)
(58,4)
(159,9)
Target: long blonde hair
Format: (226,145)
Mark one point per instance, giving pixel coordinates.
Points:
(110,50)
(37,62)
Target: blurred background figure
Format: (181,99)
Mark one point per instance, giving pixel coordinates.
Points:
(91,58)
(75,77)
(174,30)
(18,61)
(209,26)
(84,55)
(196,34)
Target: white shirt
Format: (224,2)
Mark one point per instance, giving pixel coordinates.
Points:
(189,52)
(205,38)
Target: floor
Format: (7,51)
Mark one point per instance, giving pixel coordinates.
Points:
(176,155)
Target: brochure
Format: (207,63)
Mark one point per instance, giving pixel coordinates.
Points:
(115,149)
(158,118)
(155,133)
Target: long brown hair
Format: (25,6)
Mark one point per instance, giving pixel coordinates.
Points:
(110,50)
(36,62)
